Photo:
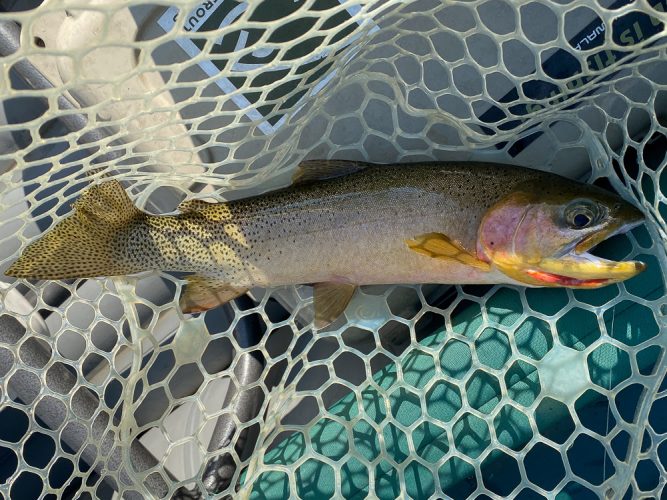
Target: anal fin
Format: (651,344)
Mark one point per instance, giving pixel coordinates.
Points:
(202,294)
(440,246)
(330,300)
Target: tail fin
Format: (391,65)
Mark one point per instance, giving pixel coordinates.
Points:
(84,244)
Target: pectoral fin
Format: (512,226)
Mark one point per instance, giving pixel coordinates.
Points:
(202,294)
(330,300)
(440,246)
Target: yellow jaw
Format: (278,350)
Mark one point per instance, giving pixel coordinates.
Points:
(572,271)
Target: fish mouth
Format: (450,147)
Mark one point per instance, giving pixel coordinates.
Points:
(578,268)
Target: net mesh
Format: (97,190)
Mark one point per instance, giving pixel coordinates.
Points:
(421,391)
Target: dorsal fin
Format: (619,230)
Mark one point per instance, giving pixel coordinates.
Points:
(318,170)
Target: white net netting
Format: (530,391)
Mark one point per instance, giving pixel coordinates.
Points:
(422,391)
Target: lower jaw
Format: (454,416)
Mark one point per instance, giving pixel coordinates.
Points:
(557,280)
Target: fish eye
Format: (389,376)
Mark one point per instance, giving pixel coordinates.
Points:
(580,214)
(581,220)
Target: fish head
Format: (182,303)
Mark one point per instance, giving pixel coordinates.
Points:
(542,232)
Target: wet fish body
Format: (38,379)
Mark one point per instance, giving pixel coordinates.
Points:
(377,224)
(348,229)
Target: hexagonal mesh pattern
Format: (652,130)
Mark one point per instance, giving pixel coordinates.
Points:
(425,391)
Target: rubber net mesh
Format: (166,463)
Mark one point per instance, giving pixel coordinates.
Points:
(421,391)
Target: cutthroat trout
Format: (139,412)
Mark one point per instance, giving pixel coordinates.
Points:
(343,224)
